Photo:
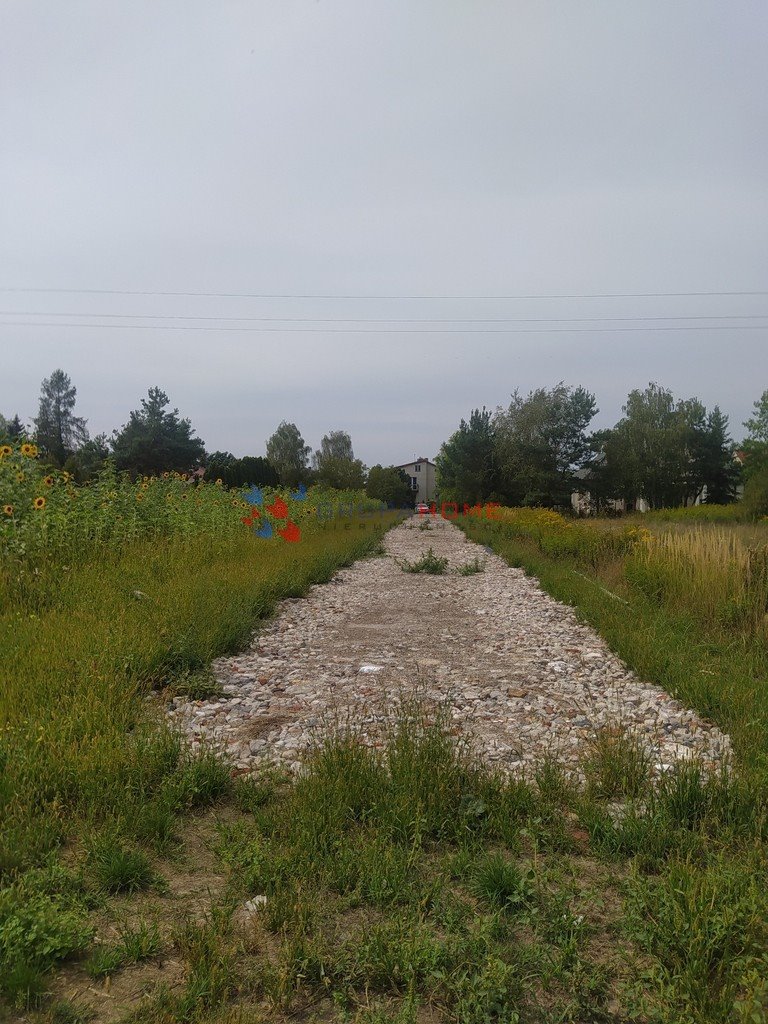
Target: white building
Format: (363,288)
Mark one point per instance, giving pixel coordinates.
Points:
(421,473)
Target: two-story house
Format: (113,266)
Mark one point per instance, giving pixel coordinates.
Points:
(421,473)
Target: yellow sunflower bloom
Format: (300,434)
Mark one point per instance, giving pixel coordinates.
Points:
(8,509)
(5,449)
(38,503)
(219,481)
(20,477)
(29,450)
(48,481)
(139,496)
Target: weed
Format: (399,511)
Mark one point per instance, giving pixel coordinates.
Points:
(470,568)
(37,929)
(119,868)
(194,685)
(500,884)
(429,563)
(618,765)
(65,1012)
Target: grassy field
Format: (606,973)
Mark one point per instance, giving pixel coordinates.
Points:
(407,884)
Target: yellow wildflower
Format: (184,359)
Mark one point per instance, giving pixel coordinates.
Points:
(5,450)
(29,450)
(48,481)
(38,503)
(8,509)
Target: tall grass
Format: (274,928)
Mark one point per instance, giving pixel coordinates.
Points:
(708,572)
(79,654)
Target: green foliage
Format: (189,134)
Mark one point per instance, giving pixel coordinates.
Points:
(335,464)
(234,472)
(288,453)
(38,927)
(389,484)
(58,431)
(618,765)
(89,459)
(466,464)
(755,503)
(429,563)
(666,452)
(705,928)
(119,868)
(136,944)
(539,441)
(501,884)
(155,441)
(471,568)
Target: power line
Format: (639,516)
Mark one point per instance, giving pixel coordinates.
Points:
(385,330)
(297,295)
(387,320)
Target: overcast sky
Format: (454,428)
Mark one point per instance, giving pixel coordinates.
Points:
(400,161)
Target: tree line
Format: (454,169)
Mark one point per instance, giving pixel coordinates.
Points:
(667,452)
(156,439)
(537,451)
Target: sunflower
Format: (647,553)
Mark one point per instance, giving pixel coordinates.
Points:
(166,474)
(29,450)
(8,510)
(5,449)
(38,503)
(219,481)
(139,496)
(20,477)
(48,481)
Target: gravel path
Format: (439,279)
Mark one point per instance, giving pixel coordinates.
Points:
(515,667)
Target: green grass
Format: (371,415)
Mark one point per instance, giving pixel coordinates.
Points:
(403,880)
(86,759)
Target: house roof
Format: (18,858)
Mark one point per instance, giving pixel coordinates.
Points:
(414,461)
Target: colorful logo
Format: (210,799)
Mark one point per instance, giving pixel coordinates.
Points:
(278,510)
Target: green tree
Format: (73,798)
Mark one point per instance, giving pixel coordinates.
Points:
(11,429)
(58,431)
(89,459)
(466,463)
(756,443)
(288,453)
(233,472)
(335,463)
(666,452)
(721,472)
(389,484)
(155,440)
(541,441)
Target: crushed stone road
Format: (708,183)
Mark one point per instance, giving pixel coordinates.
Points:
(516,670)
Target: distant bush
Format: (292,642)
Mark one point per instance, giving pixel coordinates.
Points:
(733,513)
(756,495)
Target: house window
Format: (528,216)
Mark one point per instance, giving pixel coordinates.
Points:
(414,484)
(418,467)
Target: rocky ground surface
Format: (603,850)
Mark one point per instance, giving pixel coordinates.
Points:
(513,667)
